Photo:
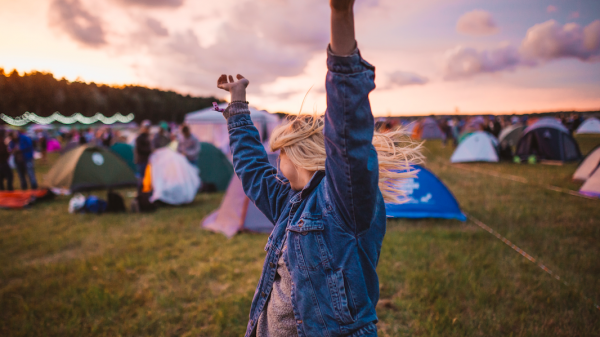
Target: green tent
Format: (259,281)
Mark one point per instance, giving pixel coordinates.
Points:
(125,152)
(214,167)
(89,167)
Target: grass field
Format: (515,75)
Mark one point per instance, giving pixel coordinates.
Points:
(160,274)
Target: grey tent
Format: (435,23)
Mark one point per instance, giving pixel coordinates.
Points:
(548,140)
(511,134)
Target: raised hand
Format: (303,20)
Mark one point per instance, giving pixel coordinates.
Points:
(237,89)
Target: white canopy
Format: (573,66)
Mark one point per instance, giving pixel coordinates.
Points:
(210,126)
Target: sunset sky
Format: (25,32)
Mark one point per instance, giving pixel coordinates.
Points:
(432,56)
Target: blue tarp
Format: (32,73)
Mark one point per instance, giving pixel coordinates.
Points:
(428,198)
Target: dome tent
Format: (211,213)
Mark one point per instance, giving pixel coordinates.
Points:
(428,197)
(214,167)
(237,213)
(548,140)
(591,187)
(125,152)
(479,146)
(427,128)
(589,126)
(511,134)
(588,166)
(89,167)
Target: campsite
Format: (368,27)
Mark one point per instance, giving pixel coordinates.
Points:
(161,273)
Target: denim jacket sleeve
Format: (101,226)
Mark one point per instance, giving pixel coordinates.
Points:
(251,164)
(351,168)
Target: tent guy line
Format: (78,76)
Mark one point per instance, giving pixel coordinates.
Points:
(521,180)
(526,255)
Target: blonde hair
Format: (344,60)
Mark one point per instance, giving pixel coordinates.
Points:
(301,137)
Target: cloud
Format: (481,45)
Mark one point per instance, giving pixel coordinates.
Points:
(550,40)
(477,23)
(544,42)
(464,62)
(156,27)
(154,3)
(574,15)
(551,9)
(77,22)
(402,79)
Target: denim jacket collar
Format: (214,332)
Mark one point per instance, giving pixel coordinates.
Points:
(312,184)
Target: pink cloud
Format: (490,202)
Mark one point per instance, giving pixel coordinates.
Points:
(403,78)
(76,21)
(574,15)
(477,22)
(550,40)
(551,9)
(544,42)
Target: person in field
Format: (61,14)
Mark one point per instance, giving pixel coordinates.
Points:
(327,204)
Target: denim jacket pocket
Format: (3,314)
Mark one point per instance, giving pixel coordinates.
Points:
(339,296)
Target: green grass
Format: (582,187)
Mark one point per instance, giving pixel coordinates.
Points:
(160,274)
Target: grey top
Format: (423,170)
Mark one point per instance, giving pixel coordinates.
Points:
(277,318)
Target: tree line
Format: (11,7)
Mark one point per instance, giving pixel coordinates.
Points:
(42,94)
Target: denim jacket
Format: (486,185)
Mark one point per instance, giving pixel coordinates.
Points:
(335,225)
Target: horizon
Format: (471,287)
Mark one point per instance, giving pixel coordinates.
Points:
(432,57)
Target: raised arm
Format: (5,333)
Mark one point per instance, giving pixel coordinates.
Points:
(250,161)
(351,165)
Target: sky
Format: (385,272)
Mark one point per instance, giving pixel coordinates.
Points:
(431,56)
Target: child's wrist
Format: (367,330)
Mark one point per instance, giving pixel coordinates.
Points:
(239,96)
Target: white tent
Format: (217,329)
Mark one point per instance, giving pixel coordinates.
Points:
(588,166)
(174,180)
(479,146)
(210,126)
(590,125)
(591,187)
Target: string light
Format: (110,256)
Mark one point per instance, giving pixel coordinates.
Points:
(57,117)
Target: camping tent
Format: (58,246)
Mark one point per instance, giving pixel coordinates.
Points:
(588,166)
(548,140)
(428,197)
(590,125)
(210,126)
(89,167)
(174,180)
(479,146)
(511,134)
(427,128)
(591,187)
(237,212)
(125,152)
(214,167)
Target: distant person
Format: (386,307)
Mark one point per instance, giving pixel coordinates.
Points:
(5,171)
(143,148)
(162,138)
(82,139)
(107,137)
(21,146)
(42,145)
(189,145)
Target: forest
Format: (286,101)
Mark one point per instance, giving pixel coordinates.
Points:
(42,94)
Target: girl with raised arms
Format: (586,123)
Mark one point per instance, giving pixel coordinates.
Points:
(319,277)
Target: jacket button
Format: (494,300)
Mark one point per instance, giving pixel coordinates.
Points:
(263,294)
(272,265)
(300,223)
(304,233)
(299,322)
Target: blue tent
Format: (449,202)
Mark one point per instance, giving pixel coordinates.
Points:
(428,198)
